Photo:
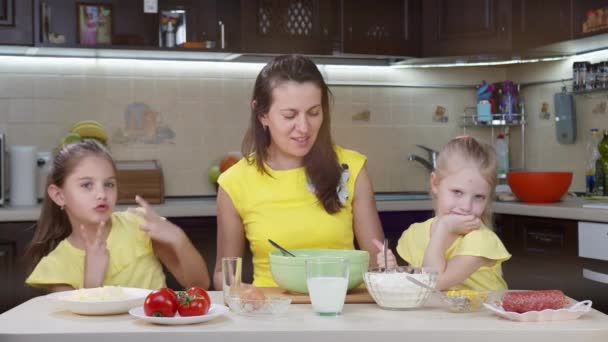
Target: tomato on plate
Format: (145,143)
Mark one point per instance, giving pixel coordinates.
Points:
(193,306)
(161,303)
(199,292)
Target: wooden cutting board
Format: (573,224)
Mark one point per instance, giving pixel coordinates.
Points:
(355,296)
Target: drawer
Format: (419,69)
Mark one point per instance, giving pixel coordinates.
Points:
(593,240)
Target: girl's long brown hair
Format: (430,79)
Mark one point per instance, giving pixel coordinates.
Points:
(53,224)
(469,150)
(321,163)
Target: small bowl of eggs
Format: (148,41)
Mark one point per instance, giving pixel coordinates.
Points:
(253,302)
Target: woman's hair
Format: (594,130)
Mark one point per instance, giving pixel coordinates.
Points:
(53,224)
(321,163)
(466,150)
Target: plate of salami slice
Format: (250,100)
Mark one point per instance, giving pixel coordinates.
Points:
(537,306)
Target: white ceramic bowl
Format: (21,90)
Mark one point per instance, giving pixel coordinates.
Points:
(96,301)
(392,290)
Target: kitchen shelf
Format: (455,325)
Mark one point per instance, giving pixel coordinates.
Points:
(506,121)
(514,119)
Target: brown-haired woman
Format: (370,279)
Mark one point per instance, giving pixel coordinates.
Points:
(294,186)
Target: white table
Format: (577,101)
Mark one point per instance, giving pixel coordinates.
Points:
(40,320)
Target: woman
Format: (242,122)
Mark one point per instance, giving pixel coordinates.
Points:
(294,186)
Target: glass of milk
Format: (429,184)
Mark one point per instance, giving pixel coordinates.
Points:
(327,281)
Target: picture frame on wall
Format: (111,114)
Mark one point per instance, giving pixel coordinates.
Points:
(94,23)
(7,12)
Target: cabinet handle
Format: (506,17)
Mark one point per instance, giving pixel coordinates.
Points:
(222,35)
(595,276)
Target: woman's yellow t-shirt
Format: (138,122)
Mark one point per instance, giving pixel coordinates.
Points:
(482,242)
(132,260)
(281,207)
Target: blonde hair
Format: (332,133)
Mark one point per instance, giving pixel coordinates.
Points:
(470,151)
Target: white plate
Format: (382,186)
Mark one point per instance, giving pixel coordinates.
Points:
(215,310)
(135,298)
(572,311)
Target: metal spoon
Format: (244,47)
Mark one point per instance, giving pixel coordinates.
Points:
(456,303)
(283,250)
(385,249)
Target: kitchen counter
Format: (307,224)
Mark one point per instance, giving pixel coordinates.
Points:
(40,320)
(205,206)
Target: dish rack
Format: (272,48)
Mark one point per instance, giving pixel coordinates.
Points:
(502,122)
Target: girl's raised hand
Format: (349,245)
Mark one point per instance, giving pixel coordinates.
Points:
(459,224)
(94,242)
(157,227)
(390,257)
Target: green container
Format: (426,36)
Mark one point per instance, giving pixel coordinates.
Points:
(290,272)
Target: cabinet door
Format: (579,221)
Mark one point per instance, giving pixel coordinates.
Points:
(590,17)
(541,22)
(14,238)
(544,252)
(392,28)
(16,21)
(463,27)
(286,26)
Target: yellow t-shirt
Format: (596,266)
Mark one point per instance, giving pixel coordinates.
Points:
(482,242)
(280,207)
(132,260)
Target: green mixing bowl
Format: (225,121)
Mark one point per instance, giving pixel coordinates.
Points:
(290,272)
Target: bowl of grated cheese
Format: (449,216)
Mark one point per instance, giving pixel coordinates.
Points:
(106,300)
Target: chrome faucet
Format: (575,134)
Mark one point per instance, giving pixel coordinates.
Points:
(429,163)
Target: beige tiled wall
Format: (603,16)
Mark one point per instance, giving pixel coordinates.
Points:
(543,152)
(206,104)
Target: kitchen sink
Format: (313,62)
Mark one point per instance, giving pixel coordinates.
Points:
(402,196)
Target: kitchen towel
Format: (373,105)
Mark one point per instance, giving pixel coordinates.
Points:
(23,174)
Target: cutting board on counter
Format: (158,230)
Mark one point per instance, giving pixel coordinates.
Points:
(355,296)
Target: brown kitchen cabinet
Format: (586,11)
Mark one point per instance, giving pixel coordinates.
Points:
(453,28)
(544,253)
(16,22)
(132,28)
(287,26)
(391,27)
(14,238)
(541,22)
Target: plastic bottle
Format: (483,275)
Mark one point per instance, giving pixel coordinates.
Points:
(601,173)
(502,152)
(592,156)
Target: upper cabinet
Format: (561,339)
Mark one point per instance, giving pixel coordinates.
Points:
(193,24)
(390,27)
(466,27)
(541,22)
(16,21)
(287,26)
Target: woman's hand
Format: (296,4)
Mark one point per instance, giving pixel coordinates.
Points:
(458,224)
(96,255)
(390,257)
(155,226)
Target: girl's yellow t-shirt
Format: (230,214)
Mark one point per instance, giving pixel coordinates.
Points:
(281,207)
(482,242)
(132,260)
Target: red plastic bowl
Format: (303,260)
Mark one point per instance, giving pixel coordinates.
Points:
(539,187)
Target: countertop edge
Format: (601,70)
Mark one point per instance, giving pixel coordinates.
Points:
(205,206)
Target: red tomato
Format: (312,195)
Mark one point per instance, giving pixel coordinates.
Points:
(199,292)
(161,303)
(193,306)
